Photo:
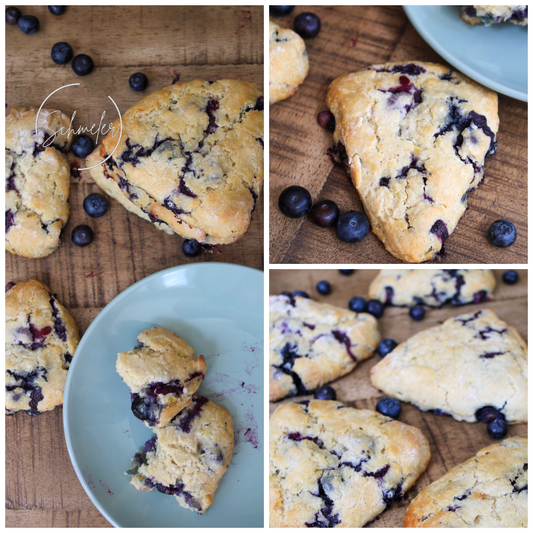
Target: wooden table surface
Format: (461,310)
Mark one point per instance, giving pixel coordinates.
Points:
(351,38)
(208,42)
(451,442)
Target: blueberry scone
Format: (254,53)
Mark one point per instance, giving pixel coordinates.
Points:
(188,457)
(162,375)
(413,137)
(189,159)
(488,490)
(41,338)
(489,15)
(313,343)
(336,466)
(432,287)
(470,362)
(289,63)
(37,180)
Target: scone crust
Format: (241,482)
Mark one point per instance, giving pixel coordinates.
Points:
(413,138)
(489,15)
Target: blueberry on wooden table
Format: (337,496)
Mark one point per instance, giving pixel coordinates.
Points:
(138,82)
(82,65)
(191,248)
(323,287)
(307,25)
(324,213)
(12,15)
(82,235)
(375,308)
(326,119)
(352,227)
(295,202)
(82,145)
(346,271)
(95,205)
(280,11)
(488,414)
(389,407)
(497,429)
(302,294)
(62,53)
(57,10)
(325,393)
(357,304)
(386,346)
(417,312)
(510,277)
(502,233)
(28,24)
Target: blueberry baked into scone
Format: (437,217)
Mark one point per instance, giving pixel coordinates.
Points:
(41,338)
(489,15)
(37,180)
(433,288)
(313,343)
(289,63)
(488,490)
(413,138)
(162,374)
(188,457)
(189,159)
(468,363)
(336,466)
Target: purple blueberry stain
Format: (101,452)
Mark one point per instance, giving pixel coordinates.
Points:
(211,107)
(59,325)
(325,517)
(185,421)
(341,337)
(440,229)
(10,219)
(297,437)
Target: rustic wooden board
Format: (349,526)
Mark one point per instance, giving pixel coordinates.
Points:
(451,442)
(206,42)
(353,37)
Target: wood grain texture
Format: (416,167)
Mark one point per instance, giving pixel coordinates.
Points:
(208,42)
(351,38)
(451,442)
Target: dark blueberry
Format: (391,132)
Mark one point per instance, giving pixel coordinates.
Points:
(357,304)
(440,229)
(82,145)
(57,10)
(352,227)
(280,11)
(325,393)
(323,287)
(12,15)
(386,346)
(145,409)
(510,277)
(82,65)
(389,407)
(307,25)
(28,24)
(95,205)
(303,294)
(417,312)
(62,53)
(502,233)
(295,202)
(82,235)
(327,120)
(346,271)
(324,214)
(375,308)
(9,285)
(488,414)
(191,247)
(138,81)
(497,429)
(286,293)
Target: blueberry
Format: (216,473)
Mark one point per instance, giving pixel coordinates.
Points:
(286,293)
(389,407)
(62,53)
(324,214)
(82,65)
(502,233)
(325,393)
(488,414)
(191,248)
(12,15)
(375,308)
(510,277)
(352,227)
(82,145)
(326,119)
(28,24)
(82,235)
(497,429)
(346,271)
(357,304)
(417,312)
(280,11)
(295,202)
(95,205)
(303,294)
(57,10)
(138,82)
(386,346)
(323,287)
(307,25)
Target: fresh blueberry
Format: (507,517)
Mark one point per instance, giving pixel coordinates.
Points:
(323,287)
(386,346)
(510,277)
(280,11)
(352,227)
(417,312)
(326,119)
(346,271)
(303,294)
(295,202)
(324,214)
(138,81)
(95,205)
(191,248)
(497,429)
(82,65)
(375,308)
(488,414)
(12,15)
(389,407)
(57,10)
(28,24)
(307,25)
(82,235)
(325,393)
(62,53)
(82,145)
(502,233)
(357,304)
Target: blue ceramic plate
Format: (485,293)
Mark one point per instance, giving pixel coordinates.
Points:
(495,56)
(218,309)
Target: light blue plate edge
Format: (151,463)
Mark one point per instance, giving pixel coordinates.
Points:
(115,301)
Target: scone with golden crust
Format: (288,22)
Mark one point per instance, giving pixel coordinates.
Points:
(413,137)
(313,343)
(162,375)
(188,457)
(336,466)
(289,63)
(41,338)
(432,287)
(190,157)
(470,361)
(488,490)
(489,15)
(37,180)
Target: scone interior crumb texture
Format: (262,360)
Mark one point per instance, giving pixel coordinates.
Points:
(489,15)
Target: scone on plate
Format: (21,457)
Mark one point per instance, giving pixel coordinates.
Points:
(413,138)
(489,15)
(41,338)
(162,374)
(336,466)
(313,343)
(488,490)
(188,457)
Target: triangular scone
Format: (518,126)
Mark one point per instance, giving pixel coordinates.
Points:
(470,361)
(413,138)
